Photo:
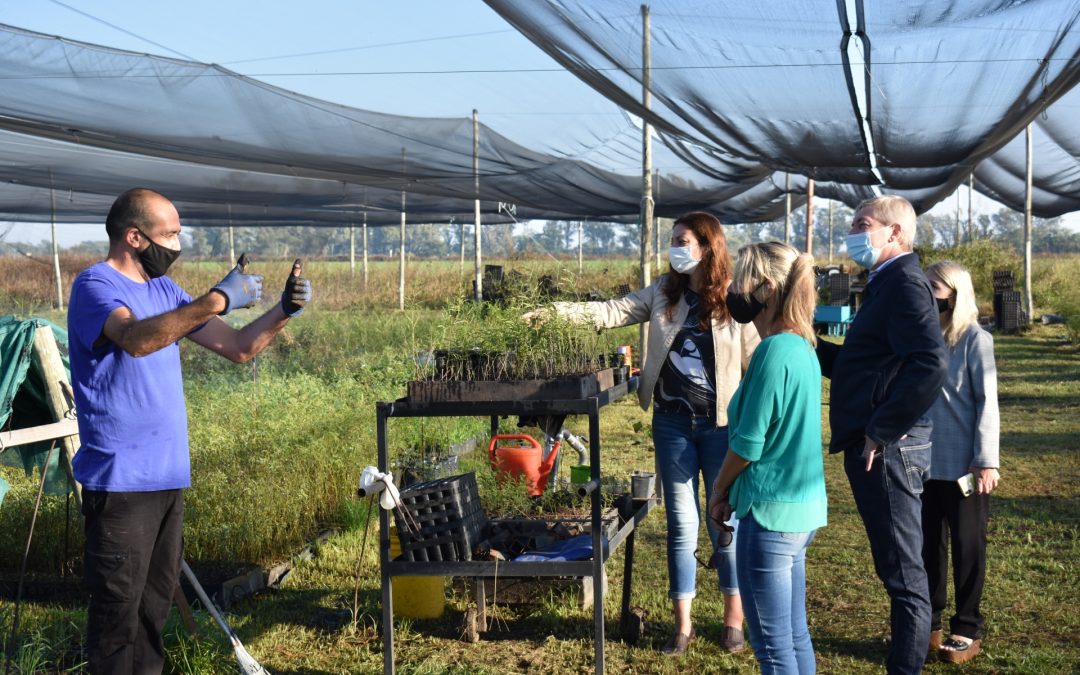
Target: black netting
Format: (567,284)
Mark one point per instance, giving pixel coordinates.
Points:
(909,95)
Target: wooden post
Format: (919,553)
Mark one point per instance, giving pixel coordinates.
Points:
(830,231)
(1028,304)
(971,188)
(461,239)
(655,223)
(646,171)
(232,251)
(957,227)
(580,240)
(787,208)
(56,253)
(364,245)
(46,356)
(478,279)
(401,247)
(810,215)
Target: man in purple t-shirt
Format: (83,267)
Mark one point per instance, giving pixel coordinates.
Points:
(125,319)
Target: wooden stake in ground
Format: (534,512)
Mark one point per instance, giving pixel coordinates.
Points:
(46,357)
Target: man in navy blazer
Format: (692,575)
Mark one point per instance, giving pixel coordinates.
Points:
(885,377)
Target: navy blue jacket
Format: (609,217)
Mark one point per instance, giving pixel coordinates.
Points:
(891,367)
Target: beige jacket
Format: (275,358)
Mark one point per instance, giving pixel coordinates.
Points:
(733,342)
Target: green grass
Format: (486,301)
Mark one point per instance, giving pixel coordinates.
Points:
(276,458)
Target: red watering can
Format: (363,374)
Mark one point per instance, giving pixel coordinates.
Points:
(520,456)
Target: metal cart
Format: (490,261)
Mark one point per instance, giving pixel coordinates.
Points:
(483,569)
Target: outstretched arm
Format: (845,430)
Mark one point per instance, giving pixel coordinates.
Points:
(146,336)
(242,345)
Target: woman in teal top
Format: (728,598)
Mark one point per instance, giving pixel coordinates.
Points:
(773,477)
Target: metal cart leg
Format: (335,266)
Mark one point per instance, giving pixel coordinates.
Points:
(384,554)
(597,538)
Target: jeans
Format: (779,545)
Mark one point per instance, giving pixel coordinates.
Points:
(685,447)
(950,517)
(133,546)
(772,574)
(888,498)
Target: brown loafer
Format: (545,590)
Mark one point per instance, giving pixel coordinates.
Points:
(733,640)
(935,639)
(678,643)
(958,651)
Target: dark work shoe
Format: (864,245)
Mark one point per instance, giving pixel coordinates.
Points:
(678,643)
(733,640)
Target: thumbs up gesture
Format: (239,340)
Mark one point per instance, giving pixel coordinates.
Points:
(297,291)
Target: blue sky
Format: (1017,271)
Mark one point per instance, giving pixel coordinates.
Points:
(396,57)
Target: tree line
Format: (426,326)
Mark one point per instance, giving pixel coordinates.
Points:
(559,238)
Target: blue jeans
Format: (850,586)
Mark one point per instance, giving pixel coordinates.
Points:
(772,571)
(685,447)
(888,498)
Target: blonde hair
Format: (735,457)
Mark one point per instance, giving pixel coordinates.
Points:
(790,272)
(965,311)
(891,209)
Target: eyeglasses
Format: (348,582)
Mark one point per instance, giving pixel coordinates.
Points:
(723,540)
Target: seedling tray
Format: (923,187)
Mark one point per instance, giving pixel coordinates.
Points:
(568,387)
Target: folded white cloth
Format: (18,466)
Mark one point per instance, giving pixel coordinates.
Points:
(373,481)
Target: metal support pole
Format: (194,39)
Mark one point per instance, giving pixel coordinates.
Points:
(810,216)
(461,240)
(646,171)
(478,278)
(56,253)
(1028,304)
(401,247)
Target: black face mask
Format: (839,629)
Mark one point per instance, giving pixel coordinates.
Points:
(156,259)
(743,308)
(942,305)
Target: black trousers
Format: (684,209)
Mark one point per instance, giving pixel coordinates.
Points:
(949,518)
(134,541)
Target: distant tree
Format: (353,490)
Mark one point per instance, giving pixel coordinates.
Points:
(498,240)
(599,238)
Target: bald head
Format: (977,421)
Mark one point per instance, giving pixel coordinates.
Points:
(141,208)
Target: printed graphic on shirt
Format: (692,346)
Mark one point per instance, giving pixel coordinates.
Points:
(687,378)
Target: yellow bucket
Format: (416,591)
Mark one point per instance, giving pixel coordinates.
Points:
(415,597)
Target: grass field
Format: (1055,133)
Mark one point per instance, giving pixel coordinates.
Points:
(276,457)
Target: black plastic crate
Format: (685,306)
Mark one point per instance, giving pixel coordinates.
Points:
(839,288)
(450,518)
(1004,281)
(1003,300)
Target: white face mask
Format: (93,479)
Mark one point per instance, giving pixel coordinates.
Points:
(680,259)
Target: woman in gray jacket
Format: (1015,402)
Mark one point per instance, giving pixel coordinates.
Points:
(965,441)
(695,357)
